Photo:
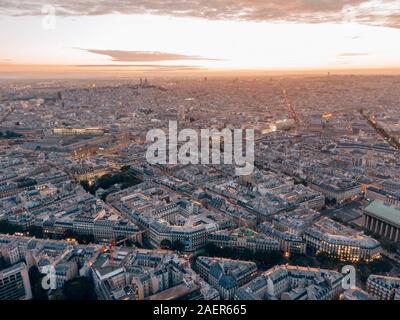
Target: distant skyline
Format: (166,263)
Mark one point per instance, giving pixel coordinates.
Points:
(105,36)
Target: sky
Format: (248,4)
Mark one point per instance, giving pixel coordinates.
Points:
(198,35)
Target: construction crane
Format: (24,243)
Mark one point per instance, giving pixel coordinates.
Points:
(111,247)
(122,240)
(112,244)
(291,109)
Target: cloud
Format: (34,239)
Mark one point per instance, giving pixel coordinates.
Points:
(353,54)
(142,67)
(5,62)
(161,66)
(143,56)
(372,12)
(391,20)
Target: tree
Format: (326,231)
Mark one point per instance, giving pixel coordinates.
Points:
(2,262)
(35,278)
(80,288)
(380,266)
(327,261)
(246,254)
(363,272)
(178,245)
(273,258)
(85,238)
(88,188)
(68,233)
(166,244)
(10,134)
(210,249)
(388,246)
(8,228)
(57,295)
(126,177)
(36,231)
(262,258)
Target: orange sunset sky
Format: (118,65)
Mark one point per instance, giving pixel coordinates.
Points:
(164,36)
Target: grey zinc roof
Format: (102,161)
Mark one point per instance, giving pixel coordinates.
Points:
(386,212)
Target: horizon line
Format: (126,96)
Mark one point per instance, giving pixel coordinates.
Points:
(10,69)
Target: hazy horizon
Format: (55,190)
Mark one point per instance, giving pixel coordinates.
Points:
(71,72)
(196,37)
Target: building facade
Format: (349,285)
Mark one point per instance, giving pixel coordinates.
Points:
(14,283)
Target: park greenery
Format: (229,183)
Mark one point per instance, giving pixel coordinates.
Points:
(387,245)
(264,259)
(35,278)
(268,259)
(37,232)
(80,288)
(126,177)
(175,245)
(8,228)
(9,135)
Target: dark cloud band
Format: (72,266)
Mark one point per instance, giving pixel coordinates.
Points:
(143,56)
(372,12)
